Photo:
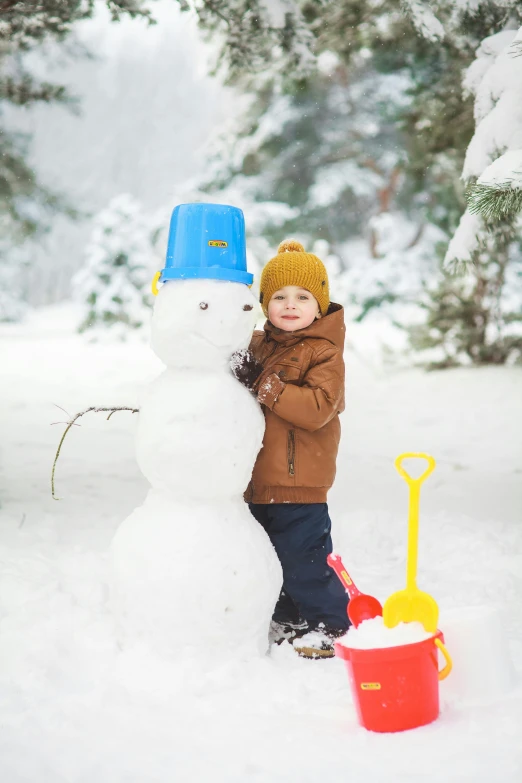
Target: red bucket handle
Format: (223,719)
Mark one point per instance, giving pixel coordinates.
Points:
(443,673)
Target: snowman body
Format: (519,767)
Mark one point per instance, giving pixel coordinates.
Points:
(192,569)
(199,433)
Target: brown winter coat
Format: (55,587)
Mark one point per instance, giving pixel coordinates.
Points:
(303,392)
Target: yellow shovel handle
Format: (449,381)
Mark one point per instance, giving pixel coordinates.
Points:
(406,476)
(449,663)
(413,512)
(155,283)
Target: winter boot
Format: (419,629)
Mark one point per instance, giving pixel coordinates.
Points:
(281,632)
(318,643)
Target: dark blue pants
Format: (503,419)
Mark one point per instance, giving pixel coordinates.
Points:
(300,534)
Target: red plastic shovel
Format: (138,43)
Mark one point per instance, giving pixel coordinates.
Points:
(360,607)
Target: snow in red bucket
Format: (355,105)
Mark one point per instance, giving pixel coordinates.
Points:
(395,688)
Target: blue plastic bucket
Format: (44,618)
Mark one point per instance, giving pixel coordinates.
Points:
(206,241)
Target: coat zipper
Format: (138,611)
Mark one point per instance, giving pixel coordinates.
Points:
(291,452)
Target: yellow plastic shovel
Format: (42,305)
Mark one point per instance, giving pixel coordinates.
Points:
(412,604)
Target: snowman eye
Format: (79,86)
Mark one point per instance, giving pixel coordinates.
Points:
(203,305)
(248,307)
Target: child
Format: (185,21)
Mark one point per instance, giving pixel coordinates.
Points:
(296,369)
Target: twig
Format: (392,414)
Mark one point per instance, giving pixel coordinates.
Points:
(62,409)
(71,423)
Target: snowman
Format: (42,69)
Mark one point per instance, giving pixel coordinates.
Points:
(192,570)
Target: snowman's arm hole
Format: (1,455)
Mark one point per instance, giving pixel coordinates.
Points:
(72,423)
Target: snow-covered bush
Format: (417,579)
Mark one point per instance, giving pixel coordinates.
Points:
(12,264)
(114,284)
(392,273)
(476,318)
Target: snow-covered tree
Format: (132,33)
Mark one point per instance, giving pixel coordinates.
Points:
(492,167)
(25,26)
(493,163)
(254,35)
(329,150)
(25,203)
(13,263)
(366,174)
(478,318)
(353,156)
(114,284)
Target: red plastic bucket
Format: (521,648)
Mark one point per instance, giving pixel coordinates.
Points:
(396,688)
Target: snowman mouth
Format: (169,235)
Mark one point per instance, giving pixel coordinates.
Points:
(210,342)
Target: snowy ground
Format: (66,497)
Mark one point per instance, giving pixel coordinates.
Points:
(73,708)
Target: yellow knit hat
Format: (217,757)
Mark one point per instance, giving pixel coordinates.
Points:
(292,266)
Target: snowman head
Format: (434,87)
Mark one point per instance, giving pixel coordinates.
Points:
(200,323)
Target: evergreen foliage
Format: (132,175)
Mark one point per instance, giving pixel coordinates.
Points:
(373,169)
(477,318)
(25,204)
(367,152)
(494,202)
(114,282)
(356,136)
(24,26)
(13,264)
(256,35)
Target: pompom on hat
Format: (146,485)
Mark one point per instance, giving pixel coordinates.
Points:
(293,266)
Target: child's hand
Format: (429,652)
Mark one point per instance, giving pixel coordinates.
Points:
(246,368)
(270,390)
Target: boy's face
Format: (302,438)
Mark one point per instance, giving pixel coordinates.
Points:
(292,308)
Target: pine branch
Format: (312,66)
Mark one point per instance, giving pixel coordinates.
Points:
(7,5)
(72,423)
(25,23)
(458,267)
(133,8)
(26,90)
(494,202)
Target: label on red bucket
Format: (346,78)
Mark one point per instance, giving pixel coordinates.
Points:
(371,686)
